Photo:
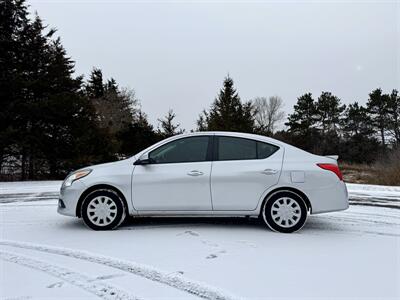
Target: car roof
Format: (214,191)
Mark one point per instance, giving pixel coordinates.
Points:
(234,134)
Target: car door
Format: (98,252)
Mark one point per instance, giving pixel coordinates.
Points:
(177,179)
(243,169)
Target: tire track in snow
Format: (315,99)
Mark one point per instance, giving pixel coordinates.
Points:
(101,290)
(28,197)
(375,203)
(196,288)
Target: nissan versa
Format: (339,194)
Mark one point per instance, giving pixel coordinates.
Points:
(208,173)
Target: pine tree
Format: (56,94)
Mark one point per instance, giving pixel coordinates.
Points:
(394,116)
(138,136)
(356,121)
(70,133)
(95,85)
(328,112)
(49,127)
(13,23)
(359,144)
(303,119)
(33,67)
(227,113)
(302,124)
(329,116)
(378,109)
(111,86)
(202,121)
(168,128)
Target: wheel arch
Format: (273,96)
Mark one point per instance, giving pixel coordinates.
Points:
(287,189)
(96,188)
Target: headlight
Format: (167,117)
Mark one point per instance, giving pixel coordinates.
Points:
(75,176)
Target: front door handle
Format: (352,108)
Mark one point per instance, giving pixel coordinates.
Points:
(195,173)
(269,172)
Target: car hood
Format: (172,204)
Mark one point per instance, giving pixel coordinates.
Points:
(111,164)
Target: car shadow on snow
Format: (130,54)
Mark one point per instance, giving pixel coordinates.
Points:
(136,223)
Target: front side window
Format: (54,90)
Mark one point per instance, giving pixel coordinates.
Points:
(190,149)
(233,148)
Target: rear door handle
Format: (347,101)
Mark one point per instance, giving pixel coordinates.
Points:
(195,173)
(269,172)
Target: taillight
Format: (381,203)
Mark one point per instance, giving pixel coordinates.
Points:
(333,168)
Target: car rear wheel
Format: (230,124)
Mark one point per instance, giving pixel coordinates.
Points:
(103,210)
(285,212)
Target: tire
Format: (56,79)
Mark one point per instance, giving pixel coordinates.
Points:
(103,210)
(284,212)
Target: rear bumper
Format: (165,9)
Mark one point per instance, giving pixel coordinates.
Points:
(68,199)
(333,198)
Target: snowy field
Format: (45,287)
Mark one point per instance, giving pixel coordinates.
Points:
(348,255)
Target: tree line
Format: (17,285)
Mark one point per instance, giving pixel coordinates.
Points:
(357,133)
(323,126)
(52,122)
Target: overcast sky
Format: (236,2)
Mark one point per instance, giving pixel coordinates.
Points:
(176,54)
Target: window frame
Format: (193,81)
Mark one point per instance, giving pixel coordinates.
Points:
(208,153)
(216,148)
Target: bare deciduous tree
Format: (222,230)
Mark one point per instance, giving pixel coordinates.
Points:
(116,109)
(268,113)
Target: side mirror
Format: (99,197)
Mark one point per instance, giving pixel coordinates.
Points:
(143,160)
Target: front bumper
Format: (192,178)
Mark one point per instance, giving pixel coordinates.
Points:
(69,198)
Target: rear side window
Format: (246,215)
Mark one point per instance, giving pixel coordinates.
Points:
(190,149)
(233,148)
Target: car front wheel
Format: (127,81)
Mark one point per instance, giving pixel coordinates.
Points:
(103,210)
(285,212)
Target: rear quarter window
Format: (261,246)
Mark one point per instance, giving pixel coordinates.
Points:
(265,150)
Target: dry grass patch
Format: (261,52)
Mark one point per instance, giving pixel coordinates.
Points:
(388,170)
(385,171)
(358,173)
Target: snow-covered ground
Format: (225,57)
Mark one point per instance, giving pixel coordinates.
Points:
(349,255)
